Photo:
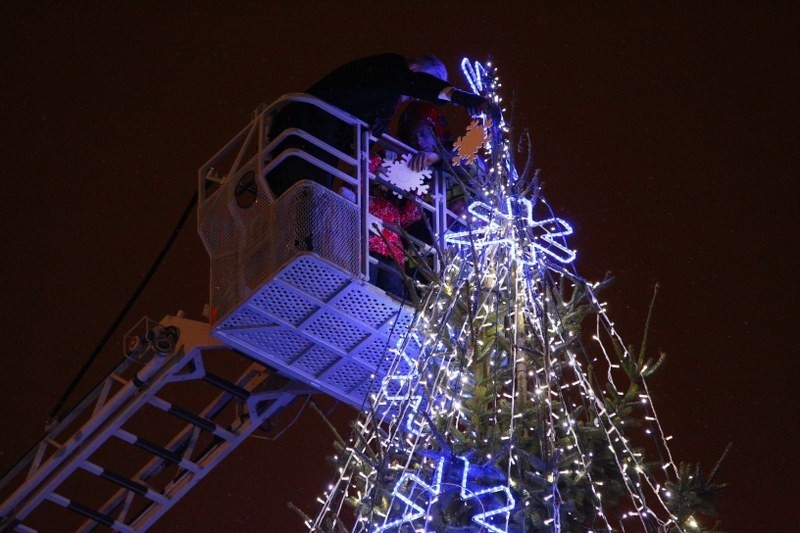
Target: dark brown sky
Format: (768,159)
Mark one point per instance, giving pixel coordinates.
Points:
(667,133)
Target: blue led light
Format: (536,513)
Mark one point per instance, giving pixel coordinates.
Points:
(474,75)
(410,483)
(414,511)
(467,494)
(407,396)
(495,231)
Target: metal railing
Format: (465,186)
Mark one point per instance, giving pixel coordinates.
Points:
(232,229)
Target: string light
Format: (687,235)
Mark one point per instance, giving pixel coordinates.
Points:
(498,223)
(495,329)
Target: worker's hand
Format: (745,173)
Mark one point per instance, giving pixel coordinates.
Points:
(422,160)
(470,101)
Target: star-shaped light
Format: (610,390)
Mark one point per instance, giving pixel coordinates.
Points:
(406,396)
(488,512)
(516,210)
(410,484)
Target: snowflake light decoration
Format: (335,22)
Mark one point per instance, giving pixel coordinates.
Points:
(517,209)
(399,174)
(475,74)
(411,489)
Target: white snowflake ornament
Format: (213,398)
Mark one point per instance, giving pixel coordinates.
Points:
(399,174)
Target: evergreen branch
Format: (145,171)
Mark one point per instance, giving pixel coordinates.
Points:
(296,509)
(328,423)
(719,462)
(647,324)
(526,173)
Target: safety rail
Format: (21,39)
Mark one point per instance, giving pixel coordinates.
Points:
(290,281)
(290,293)
(246,228)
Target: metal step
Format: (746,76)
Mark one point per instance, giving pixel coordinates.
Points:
(132,452)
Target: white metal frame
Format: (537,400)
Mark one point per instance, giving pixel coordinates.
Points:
(243,145)
(55,461)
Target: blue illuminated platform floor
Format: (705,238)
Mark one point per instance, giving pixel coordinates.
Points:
(313,322)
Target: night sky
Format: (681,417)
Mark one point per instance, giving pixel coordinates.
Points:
(666,133)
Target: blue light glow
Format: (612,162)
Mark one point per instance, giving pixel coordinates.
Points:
(410,484)
(407,395)
(474,75)
(516,209)
(413,511)
(481,519)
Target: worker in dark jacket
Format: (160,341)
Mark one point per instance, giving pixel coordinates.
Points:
(371,89)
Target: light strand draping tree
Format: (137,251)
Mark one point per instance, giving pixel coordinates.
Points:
(513,404)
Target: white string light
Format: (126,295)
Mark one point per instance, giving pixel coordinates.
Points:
(511,271)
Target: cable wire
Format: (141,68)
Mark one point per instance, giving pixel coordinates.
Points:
(52,417)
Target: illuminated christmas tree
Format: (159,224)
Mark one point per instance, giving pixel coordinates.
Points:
(513,404)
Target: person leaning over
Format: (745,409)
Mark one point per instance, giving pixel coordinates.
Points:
(370,89)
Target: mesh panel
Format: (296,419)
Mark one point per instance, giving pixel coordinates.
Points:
(217,227)
(314,279)
(226,293)
(245,316)
(223,229)
(336,233)
(284,304)
(255,218)
(336,331)
(315,361)
(281,343)
(257,264)
(248,244)
(309,217)
(373,351)
(346,376)
(365,308)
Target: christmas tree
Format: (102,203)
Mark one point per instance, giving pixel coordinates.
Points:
(513,404)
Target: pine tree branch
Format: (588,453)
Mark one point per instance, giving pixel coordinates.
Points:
(647,324)
(328,423)
(719,462)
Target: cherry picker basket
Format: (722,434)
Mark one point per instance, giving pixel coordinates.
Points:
(290,275)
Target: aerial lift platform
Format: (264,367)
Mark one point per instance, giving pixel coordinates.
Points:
(286,320)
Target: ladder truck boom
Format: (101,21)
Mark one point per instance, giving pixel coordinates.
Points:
(287,320)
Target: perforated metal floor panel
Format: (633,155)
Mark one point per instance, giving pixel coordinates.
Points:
(313,322)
